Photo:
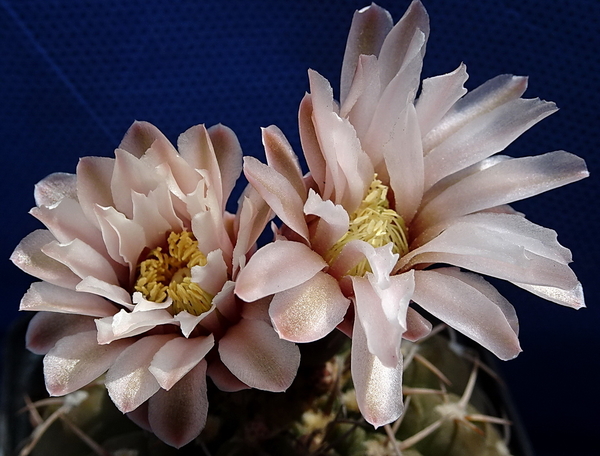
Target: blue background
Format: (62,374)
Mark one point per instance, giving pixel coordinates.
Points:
(75,74)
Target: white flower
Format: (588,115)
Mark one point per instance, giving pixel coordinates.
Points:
(138,264)
(402,197)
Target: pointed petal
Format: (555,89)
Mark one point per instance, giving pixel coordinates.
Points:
(178,416)
(109,291)
(485,98)
(54,188)
(128,381)
(140,137)
(484,136)
(437,97)
(370,26)
(310,145)
(94,175)
(397,47)
(229,156)
(196,148)
(403,156)
(28,257)
(571,298)
(378,388)
(77,360)
(310,310)
(281,157)
(82,260)
(503,183)
(361,102)
(130,174)
(382,314)
(254,353)
(270,270)
(279,193)
(467,310)
(177,357)
(48,297)
(128,324)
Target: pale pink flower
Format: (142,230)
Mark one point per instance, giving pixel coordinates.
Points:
(403,195)
(138,264)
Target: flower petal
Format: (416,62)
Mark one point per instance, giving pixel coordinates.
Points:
(467,310)
(310,310)
(54,188)
(45,296)
(77,360)
(94,175)
(370,26)
(490,133)
(45,329)
(281,157)
(140,137)
(128,381)
(229,156)
(382,313)
(177,357)
(254,353)
(278,192)
(438,94)
(178,416)
(485,98)
(28,256)
(333,224)
(502,183)
(223,378)
(270,270)
(378,388)
(82,259)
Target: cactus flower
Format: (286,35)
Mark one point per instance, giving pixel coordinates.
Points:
(138,264)
(406,202)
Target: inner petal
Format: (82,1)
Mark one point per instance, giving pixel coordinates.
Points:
(168,274)
(375,223)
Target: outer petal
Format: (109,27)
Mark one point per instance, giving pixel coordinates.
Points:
(28,256)
(82,259)
(378,388)
(505,182)
(177,357)
(282,158)
(278,192)
(77,360)
(438,95)
(46,328)
(488,134)
(229,156)
(484,98)
(270,270)
(417,326)
(382,314)
(54,188)
(310,310)
(94,175)
(45,296)
(467,310)
(140,137)
(370,26)
(254,353)
(177,416)
(128,381)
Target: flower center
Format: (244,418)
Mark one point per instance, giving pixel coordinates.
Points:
(375,223)
(168,274)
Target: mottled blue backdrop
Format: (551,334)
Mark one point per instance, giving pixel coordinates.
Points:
(75,74)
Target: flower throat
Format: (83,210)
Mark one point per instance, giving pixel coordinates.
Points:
(375,223)
(168,274)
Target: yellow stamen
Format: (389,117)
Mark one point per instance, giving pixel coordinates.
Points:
(163,275)
(375,223)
